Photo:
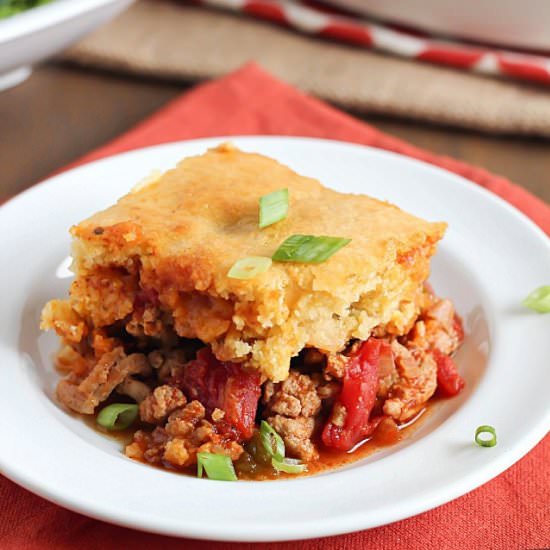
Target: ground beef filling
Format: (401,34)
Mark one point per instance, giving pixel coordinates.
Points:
(189,402)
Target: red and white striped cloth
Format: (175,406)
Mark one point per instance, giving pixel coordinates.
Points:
(310,17)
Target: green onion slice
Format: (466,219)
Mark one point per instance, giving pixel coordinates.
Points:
(481,438)
(308,248)
(273,207)
(249,267)
(539,300)
(117,416)
(289,465)
(272,442)
(217,467)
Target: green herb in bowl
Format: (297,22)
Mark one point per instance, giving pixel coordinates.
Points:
(13,7)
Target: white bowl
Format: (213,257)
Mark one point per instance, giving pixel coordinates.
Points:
(38,33)
(502,22)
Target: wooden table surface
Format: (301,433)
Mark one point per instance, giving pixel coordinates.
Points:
(62,112)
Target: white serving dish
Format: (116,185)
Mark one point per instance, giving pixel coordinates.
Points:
(36,34)
(490,258)
(502,22)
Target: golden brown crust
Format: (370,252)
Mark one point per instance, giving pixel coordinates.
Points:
(180,234)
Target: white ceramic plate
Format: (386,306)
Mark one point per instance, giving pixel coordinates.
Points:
(499,22)
(490,259)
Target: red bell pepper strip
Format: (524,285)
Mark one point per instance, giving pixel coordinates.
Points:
(449,382)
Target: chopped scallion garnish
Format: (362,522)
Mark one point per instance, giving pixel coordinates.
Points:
(249,267)
(274,445)
(289,465)
(272,441)
(481,436)
(308,248)
(117,416)
(273,207)
(218,467)
(539,300)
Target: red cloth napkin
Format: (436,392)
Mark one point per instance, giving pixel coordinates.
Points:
(512,511)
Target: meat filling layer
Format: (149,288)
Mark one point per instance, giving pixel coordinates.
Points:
(190,402)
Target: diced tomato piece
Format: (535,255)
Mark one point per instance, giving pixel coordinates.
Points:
(458,328)
(449,382)
(358,396)
(222,385)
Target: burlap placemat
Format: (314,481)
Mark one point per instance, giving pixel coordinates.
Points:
(179,41)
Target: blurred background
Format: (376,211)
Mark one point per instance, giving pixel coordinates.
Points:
(469,79)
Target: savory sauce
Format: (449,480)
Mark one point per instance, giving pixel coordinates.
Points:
(386,435)
(330,459)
